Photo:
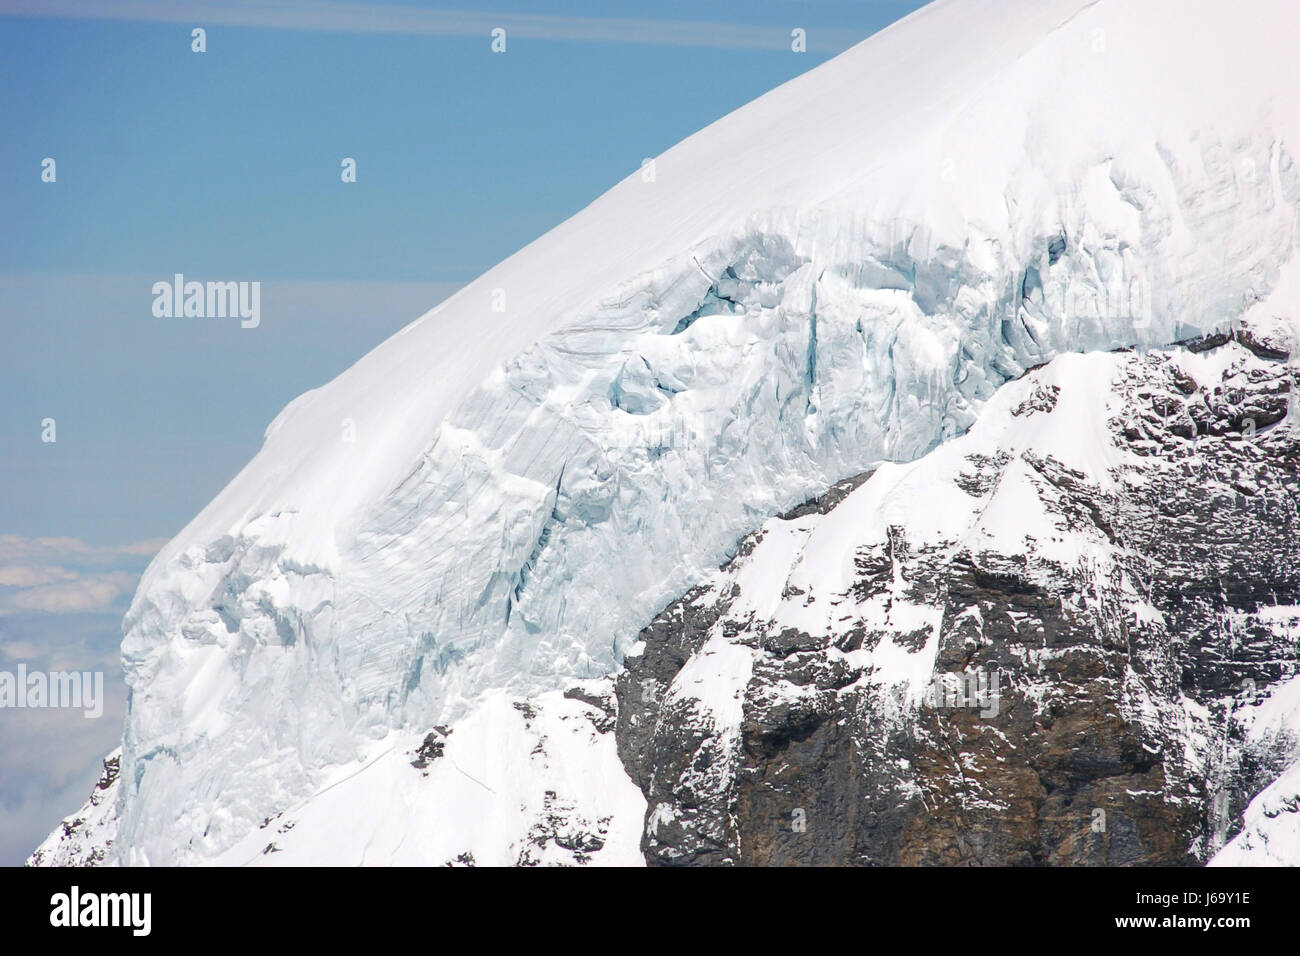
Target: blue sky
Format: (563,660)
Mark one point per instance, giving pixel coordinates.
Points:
(225,165)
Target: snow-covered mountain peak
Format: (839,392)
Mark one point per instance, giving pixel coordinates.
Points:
(841,273)
(921,133)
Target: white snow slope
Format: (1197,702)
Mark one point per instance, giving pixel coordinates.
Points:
(839,273)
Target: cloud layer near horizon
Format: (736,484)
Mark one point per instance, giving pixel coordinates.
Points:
(68,576)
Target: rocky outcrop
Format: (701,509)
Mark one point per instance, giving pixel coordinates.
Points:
(1059,669)
(86,838)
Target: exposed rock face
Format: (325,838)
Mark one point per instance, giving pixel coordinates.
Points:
(1113,579)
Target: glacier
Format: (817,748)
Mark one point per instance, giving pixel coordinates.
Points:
(1141,626)
(841,273)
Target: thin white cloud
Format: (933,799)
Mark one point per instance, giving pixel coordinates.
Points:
(67,575)
(334,15)
(18,650)
(52,545)
(17,550)
(80,594)
(294,300)
(145,549)
(20,576)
